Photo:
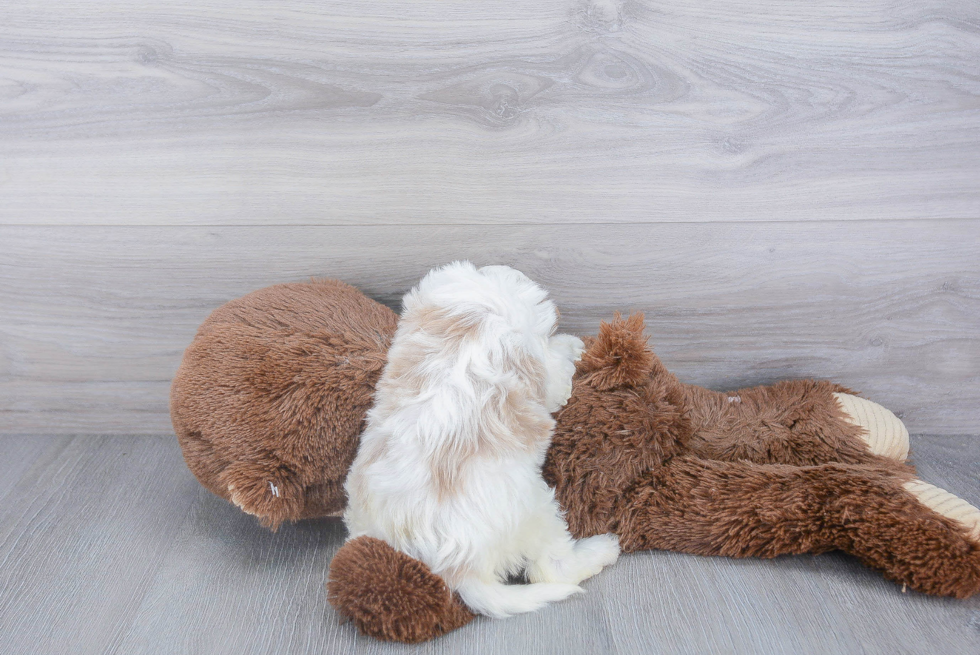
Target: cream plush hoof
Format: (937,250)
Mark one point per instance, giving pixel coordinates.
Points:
(945,503)
(885,433)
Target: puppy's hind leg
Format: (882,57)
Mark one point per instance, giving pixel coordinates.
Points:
(595,553)
(562,559)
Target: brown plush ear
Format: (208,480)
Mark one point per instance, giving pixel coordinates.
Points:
(390,596)
(619,356)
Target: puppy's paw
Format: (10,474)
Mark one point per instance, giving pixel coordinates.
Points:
(595,553)
(568,346)
(558,396)
(565,350)
(586,558)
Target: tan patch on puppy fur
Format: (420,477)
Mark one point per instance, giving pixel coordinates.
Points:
(532,371)
(446,463)
(517,430)
(439,322)
(515,427)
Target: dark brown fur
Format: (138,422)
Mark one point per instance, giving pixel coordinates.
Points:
(757,472)
(387,593)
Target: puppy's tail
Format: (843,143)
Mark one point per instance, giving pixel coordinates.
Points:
(499,600)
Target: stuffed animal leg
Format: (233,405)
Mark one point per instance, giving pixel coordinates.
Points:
(799,422)
(741,509)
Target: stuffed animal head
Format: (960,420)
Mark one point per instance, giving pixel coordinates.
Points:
(270,398)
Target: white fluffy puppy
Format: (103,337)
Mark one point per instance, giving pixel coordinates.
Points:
(449,466)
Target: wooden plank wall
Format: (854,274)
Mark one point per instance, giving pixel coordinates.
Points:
(787,189)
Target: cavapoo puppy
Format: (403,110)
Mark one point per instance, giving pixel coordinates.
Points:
(449,466)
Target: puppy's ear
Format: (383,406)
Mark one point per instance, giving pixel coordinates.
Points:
(619,356)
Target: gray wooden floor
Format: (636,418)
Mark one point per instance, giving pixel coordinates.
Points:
(108,545)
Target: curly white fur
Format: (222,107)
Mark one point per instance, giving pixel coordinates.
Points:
(449,465)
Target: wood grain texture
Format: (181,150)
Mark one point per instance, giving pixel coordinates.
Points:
(95,319)
(948,462)
(557,111)
(81,534)
(18,455)
(109,546)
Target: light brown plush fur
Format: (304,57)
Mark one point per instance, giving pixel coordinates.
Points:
(756,472)
(274,389)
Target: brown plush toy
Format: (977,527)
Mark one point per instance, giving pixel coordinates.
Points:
(271,395)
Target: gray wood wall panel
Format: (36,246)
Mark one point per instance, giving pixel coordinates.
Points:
(556,111)
(95,318)
(552,135)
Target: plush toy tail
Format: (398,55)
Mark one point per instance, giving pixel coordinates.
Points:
(390,596)
(500,600)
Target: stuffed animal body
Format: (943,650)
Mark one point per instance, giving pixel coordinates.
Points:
(271,396)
